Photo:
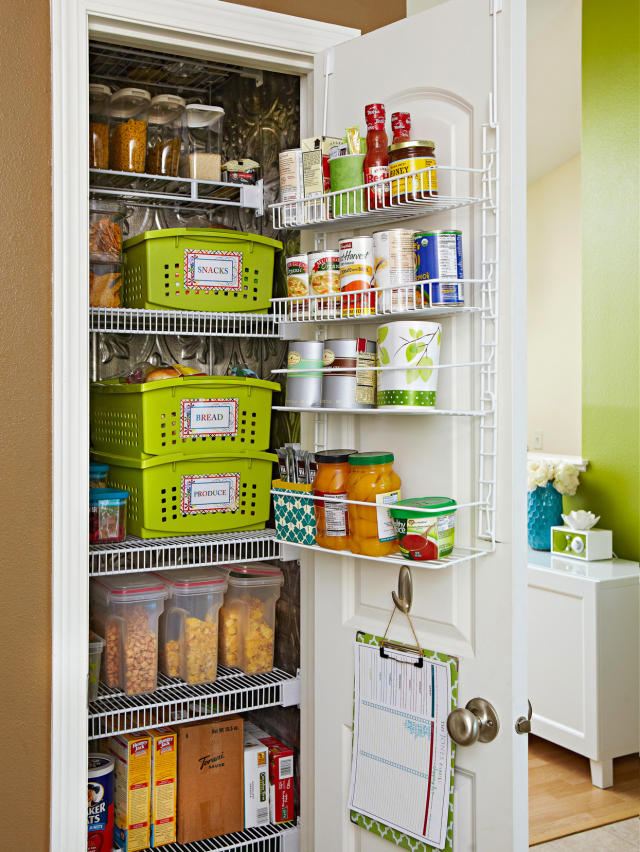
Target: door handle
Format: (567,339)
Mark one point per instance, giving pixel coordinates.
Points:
(523,726)
(477,722)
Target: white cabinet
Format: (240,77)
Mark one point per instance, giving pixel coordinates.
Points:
(583,657)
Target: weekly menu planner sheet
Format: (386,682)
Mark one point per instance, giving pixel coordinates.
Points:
(402,765)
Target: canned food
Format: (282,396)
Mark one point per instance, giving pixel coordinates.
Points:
(356,273)
(357,387)
(439,256)
(324,278)
(395,265)
(411,156)
(304,390)
(298,283)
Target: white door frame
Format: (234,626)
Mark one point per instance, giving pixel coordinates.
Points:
(205,28)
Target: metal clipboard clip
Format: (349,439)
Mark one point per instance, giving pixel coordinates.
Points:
(402,601)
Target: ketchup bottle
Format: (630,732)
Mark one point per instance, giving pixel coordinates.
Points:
(376,161)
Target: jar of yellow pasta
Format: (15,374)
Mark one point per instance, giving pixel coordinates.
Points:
(189,623)
(248,617)
(372,479)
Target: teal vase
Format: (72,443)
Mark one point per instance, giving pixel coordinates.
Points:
(544,510)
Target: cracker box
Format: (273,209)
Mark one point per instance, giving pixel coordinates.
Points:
(280,775)
(210,775)
(164,774)
(256,781)
(132,794)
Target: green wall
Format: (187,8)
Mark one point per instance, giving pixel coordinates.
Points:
(611,268)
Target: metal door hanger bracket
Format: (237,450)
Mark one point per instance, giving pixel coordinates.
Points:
(402,601)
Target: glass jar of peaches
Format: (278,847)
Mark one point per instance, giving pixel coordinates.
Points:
(372,479)
(332,517)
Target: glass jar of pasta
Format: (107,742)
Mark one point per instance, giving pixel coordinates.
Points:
(332,517)
(372,479)
(128,142)
(165,134)
(99,96)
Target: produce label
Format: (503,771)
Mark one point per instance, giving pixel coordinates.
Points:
(212,270)
(386,530)
(208,417)
(211,492)
(424,538)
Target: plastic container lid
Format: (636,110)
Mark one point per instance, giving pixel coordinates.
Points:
(434,505)
(106,495)
(129,588)
(98,97)
(97,471)
(255,574)
(374,457)
(334,456)
(103,205)
(125,103)
(96,643)
(165,108)
(194,581)
(100,764)
(412,143)
(202,115)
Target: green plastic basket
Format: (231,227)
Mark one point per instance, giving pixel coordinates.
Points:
(199,269)
(190,495)
(193,415)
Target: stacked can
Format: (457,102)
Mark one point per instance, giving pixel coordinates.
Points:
(439,261)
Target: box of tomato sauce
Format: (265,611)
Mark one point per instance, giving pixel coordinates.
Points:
(280,774)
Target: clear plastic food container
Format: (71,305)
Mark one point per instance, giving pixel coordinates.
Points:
(203,150)
(248,617)
(96,647)
(107,224)
(125,610)
(129,110)
(189,623)
(165,133)
(99,97)
(105,285)
(98,475)
(107,514)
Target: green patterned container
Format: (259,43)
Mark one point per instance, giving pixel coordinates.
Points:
(412,349)
(295,515)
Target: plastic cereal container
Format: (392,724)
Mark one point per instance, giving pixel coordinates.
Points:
(125,610)
(107,514)
(189,623)
(96,647)
(248,617)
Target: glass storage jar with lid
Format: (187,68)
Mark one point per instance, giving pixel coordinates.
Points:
(129,109)
(99,97)
(107,225)
(165,134)
(408,156)
(332,517)
(202,156)
(372,479)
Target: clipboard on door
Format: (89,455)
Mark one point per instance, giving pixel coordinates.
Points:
(403,759)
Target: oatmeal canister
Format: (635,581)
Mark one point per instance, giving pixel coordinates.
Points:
(298,283)
(100,803)
(304,390)
(356,274)
(324,278)
(439,259)
(356,386)
(394,266)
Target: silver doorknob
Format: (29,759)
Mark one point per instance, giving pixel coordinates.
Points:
(477,722)
(523,726)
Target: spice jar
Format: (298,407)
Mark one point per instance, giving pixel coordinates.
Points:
(99,97)
(165,134)
(107,222)
(129,110)
(202,157)
(332,518)
(372,479)
(411,156)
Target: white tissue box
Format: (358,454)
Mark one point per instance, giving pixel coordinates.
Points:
(588,545)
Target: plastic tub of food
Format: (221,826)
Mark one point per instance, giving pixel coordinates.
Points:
(107,223)
(203,158)
(425,527)
(125,610)
(99,97)
(105,285)
(248,617)
(96,647)
(98,475)
(107,514)
(189,623)
(129,110)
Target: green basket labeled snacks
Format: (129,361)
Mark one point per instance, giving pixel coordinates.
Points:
(199,269)
(189,495)
(188,415)
(294,513)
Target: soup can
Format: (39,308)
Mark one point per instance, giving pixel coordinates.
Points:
(304,390)
(439,256)
(355,388)
(100,803)
(395,265)
(356,273)
(298,283)
(324,277)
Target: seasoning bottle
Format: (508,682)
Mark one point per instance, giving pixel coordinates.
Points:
(376,161)
(401,126)
(128,143)
(332,518)
(99,96)
(165,132)
(372,479)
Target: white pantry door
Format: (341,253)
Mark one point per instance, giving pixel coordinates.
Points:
(439,66)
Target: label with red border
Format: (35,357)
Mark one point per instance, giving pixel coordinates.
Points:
(208,417)
(212,270)
(210,492)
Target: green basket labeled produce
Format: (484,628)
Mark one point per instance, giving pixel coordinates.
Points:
(199,269)
(190,415)
(190,495)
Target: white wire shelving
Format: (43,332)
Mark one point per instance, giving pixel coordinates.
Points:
(267,838)
(114,712)
(160,554)
(457,555)
(188,323)
(403,411)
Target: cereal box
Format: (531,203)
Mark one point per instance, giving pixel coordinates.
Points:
(280,774)
(132,755)
(256,782)
(164,773)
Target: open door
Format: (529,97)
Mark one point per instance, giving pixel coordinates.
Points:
(458,68)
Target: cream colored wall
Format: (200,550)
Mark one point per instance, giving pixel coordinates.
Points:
(554,319)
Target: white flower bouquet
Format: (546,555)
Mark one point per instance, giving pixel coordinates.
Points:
(564,476)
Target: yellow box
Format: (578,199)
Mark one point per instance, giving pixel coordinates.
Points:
(164,778)
(132,790)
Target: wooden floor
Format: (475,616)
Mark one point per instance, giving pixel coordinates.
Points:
(562,799)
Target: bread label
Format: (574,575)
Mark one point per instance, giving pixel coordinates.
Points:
(208,493)
(212,270)
(208,418)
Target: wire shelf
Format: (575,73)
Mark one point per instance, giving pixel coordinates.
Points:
(458,555)
(113,712)
(401,410)
(267,838)
(189,551)
(189,323)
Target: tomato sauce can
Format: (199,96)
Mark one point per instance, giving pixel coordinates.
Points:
(439,256)
(297,268)
(324,278)
(100,803)
(356,273)
(356,386)
(394,266)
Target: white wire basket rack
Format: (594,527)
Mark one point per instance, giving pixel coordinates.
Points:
(173,701)
(188,323)
(266,838)
(189,551)
(457,555)
(408,412)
